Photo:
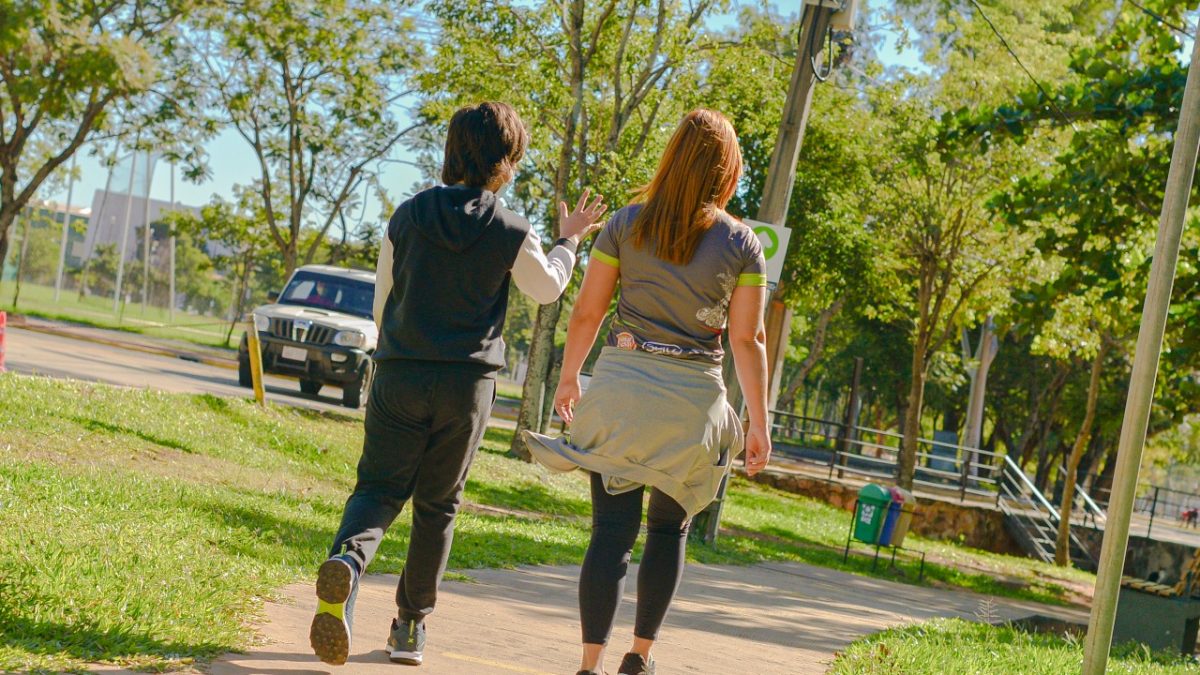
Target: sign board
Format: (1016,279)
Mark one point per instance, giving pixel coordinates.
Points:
(775,245)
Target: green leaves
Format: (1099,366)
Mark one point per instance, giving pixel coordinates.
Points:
(312,88)
(71,70)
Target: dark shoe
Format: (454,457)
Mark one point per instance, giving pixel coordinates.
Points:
(636,664)
(337,587)
(407,642)
(588,672)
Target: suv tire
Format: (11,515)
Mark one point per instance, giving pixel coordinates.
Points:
(245,379)
(311,387)
(354,393)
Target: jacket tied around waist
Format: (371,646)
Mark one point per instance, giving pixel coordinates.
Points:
(652,420)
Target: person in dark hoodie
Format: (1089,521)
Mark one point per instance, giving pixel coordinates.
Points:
(440,301)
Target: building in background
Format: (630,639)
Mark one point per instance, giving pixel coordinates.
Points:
(107,222)
(46,220)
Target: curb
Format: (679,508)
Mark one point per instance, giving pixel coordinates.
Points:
(19,321)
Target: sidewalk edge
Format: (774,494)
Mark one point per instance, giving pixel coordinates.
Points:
(230,364)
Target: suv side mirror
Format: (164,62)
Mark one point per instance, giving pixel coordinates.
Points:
(272,296)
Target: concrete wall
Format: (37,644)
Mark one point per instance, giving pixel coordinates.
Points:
(1162,561)
(974,526)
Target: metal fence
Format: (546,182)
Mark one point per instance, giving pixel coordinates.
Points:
(953,470)
(874,454)
(1164,507)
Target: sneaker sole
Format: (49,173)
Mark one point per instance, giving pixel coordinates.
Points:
(407,658)
(329,634)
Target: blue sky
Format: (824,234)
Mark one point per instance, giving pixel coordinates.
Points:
(232,163)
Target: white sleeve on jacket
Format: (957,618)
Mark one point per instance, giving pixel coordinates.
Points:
(383,279)
(540,276)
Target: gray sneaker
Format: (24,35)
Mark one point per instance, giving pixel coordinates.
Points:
(337,587)
(407,642)
(636,664)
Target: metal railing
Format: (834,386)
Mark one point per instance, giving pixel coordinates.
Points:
(1082,503)
(1035,520)
(874,454)
(1178,508)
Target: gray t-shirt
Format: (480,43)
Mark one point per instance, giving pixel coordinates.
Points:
(678,310)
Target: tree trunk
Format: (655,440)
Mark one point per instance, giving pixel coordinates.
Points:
(290,255)
(1034,426)
(21,259)
(912,419)
(1062,549)
(4,227)
(8,217)
(1097,453)
(6,224)
(787,401)
(240,300)
(541,347)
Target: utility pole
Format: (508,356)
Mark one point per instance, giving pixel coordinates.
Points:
(171,290)
(781,173)
(777,194)
(146,235)
(66,231)
(1145,370)
(125,230)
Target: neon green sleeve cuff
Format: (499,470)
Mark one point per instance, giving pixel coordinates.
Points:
(606,258)
(752,280)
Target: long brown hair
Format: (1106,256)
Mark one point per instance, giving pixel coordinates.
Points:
(696,178)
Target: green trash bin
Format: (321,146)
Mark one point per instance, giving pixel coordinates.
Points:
(873,503)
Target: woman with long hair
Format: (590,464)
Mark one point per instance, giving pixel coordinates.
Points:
(655,414)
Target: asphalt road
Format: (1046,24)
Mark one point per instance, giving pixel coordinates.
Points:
(56,356)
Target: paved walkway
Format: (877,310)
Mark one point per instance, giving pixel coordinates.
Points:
(766,619)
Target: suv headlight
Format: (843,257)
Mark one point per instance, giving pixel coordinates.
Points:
(350,338)
(262,323)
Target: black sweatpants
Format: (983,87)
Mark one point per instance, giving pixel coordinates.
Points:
(424,422)
(616,520)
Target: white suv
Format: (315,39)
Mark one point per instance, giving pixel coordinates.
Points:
(320,329)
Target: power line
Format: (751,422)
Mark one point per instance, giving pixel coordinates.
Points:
(1161,19)
(1016,58)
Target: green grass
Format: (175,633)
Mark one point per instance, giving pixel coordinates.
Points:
(957,647)
(145,528)
(37,300)
(506,389)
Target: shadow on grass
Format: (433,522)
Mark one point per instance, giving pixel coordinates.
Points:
(323,415)
(265,537)
(217,404)
(520,545)
(496,441)
(527,497)
(97,425)
(91,643)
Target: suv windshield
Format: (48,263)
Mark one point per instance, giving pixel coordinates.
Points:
(312,289)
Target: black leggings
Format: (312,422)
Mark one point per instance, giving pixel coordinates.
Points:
(616,520)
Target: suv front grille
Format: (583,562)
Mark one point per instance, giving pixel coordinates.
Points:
(315,334)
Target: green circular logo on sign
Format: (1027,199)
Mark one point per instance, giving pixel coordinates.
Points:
(771,249)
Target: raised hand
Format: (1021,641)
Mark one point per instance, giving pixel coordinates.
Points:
(584,219)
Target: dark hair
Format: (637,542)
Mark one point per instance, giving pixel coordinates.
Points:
(482,139)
